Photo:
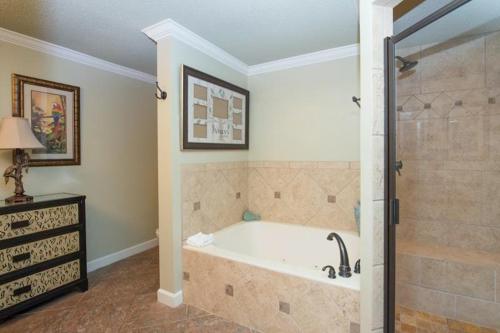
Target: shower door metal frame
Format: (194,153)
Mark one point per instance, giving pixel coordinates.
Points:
(391,202)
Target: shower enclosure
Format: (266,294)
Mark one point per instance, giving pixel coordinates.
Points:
(443,172)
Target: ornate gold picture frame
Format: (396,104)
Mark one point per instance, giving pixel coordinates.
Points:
(53,110)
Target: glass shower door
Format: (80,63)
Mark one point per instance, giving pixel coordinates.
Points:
(443,181)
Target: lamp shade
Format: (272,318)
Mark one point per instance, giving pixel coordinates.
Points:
(15,132)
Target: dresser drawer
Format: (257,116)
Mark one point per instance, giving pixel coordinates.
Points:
(25,288)
(29,254)
(32,221)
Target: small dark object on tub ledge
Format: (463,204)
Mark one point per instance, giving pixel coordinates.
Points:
(331,271)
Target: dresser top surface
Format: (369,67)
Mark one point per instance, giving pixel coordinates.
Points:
(42,199)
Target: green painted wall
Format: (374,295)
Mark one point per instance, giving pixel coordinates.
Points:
(118,145)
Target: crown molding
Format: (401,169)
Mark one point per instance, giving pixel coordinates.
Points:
(305,59)
(72,55)
(170,28)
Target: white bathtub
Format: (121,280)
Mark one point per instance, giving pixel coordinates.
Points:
(292,249)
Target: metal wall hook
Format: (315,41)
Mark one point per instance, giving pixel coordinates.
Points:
(163,94)
(356,100)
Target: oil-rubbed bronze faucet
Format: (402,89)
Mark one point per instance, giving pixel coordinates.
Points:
(331,271)
(344,268)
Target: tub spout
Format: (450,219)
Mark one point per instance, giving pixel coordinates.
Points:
(344,268)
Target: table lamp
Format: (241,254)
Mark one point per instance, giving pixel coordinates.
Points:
(15,133)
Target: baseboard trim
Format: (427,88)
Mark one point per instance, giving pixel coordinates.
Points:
(170,299)
(117,256)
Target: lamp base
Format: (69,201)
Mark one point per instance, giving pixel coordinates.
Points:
(19,198)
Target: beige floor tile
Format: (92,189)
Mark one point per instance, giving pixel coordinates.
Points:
(121,298)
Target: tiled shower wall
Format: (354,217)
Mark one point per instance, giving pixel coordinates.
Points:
(449,141)
(319,194)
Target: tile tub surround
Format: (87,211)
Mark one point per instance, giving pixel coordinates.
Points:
(265,300)
(449,141)
(320,194)
(214,196)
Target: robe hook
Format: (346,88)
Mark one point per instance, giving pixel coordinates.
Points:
(163,94)
(356,100)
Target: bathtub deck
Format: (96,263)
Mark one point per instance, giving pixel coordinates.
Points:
(266,300)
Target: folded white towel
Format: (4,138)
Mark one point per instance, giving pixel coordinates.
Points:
(200,239)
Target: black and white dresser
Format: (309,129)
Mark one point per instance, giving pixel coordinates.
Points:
(42,250)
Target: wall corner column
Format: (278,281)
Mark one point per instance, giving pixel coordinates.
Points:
(375,24)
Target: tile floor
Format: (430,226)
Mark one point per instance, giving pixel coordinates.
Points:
(121,298)
(412,321)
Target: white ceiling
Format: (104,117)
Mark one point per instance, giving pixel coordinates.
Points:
(254,31)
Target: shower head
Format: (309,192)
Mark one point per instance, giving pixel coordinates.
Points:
(407,64)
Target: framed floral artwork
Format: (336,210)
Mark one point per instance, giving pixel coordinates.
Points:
(215,113)
(53,111)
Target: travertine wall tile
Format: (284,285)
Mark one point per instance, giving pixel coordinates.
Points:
(209,196)
(408,269)
(497,285)
(378,167)
(379,100)
(378,297)
(378,233)
(319,194)
(449,141)
(453,65)
(492,66)
(427,300)
(478,311)
(462,279)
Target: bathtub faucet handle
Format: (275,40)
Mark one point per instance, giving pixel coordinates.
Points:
(331,271)
(357,267)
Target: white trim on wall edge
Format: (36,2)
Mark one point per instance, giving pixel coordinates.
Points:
(170,299)
(117,256)
(170,28)
(72,55)
(305,59)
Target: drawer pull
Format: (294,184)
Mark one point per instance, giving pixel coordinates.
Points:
(21,257)
(22,290)
(19,224)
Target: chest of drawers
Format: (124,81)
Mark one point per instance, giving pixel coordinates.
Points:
(42,251)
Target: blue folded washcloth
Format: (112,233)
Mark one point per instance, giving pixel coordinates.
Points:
(357,216)
(249,216)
